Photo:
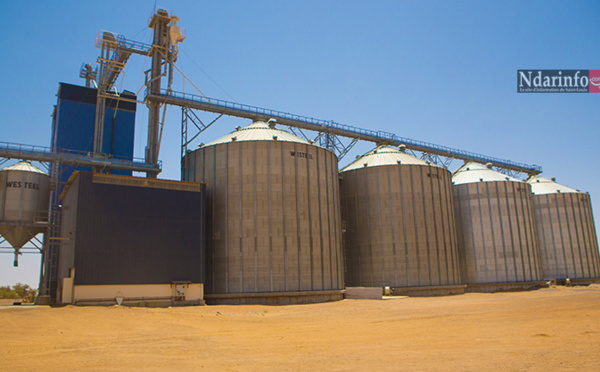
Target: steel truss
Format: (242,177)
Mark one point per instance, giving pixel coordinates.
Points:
(189,116)
(326,140)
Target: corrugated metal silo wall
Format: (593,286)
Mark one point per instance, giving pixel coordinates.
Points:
(137,235)
(400,228)
(273,219)
(24,198)
(496,232)
(24,195)
(73,126)
(567,236)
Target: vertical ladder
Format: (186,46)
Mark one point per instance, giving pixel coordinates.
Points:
(49,272)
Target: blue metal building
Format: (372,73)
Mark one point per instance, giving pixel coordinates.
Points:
(73,126)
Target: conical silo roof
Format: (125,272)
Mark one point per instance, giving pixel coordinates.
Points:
(474,172)
(541,185)
(23,166)
(258,131)
(384,155)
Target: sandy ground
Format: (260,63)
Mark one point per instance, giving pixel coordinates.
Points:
(545,330)
(9,301)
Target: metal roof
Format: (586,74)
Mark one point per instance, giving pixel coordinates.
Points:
(259,131)
(24,166)
(474,172)
(384,155)
(541,185)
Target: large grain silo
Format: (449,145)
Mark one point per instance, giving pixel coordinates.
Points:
(24,198)
(400,229)
(496,229)
(565,230)
(273,231)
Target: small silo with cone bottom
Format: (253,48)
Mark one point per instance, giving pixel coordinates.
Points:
(24,204)
(565,230)
(399,224)
(497,241)
(273,221)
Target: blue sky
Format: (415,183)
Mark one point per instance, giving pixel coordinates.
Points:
(437,71)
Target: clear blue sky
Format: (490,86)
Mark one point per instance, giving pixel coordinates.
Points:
(438,71)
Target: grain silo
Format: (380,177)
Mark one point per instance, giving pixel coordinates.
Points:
(565,230)
(400,229)
(24,202)
(273,222)
(496,229)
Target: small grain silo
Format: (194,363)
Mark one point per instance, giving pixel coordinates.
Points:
(565,230)
(24,202)
(400,229)
(273,231)
(496,229)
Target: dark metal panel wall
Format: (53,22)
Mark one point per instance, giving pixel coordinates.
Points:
(138,235)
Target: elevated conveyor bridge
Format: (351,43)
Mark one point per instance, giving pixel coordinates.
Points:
(430,151)
(75,158)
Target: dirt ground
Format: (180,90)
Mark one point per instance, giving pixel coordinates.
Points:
(545,330)
(9,301)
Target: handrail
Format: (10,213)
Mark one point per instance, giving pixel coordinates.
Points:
(73,157)
(253,112)
(133,46)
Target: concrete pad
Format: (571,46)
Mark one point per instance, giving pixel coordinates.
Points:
(505,287)
(429,291)
(364,293)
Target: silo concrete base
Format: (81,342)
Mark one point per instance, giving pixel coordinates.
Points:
(139,302)
(363,293)
(430,291)
(585,281)
(505,287)
(43,300)
(274,298)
